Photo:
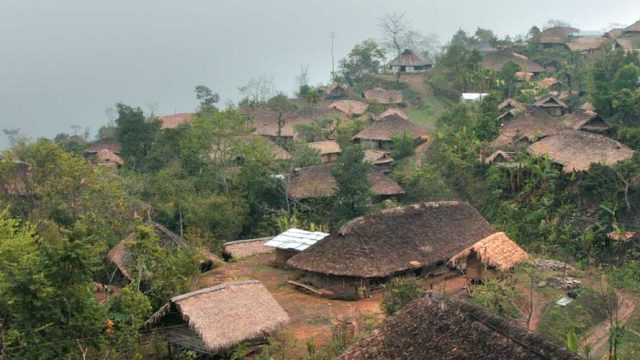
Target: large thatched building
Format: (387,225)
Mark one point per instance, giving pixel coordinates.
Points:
(376,246)
(527,127)
(441,327)
(577,150)
(489,258)
(216,319)
(410,62)
(495,60)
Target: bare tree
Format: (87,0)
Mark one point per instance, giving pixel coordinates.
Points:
(395,30)
(258,90)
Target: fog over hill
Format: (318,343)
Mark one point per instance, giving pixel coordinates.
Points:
(63,62)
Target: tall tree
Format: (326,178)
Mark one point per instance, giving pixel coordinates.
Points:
(395,31)
(353,195)
(363,61)
(208,99)
(135,133)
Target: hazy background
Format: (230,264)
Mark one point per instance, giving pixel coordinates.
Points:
(64,62)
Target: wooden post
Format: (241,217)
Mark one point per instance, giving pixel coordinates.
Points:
(1,342)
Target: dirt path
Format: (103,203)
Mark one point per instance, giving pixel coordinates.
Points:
(599,337)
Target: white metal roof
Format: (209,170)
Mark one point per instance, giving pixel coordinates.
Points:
(296,239)
(473,96)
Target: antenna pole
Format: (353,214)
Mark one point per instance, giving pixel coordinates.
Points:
(333,70)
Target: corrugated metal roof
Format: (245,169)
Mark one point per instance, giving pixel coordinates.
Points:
(296,239)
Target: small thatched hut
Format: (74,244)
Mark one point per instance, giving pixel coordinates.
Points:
(377,157)
(552,105)
(489,257)
(329,150)
(110,144)
(441,327)
(391,112)
(291,242)
(371,248)
(381,133)
(120,258)
(349,107)
(335,91)
(216,319)
(239,249)
(510,104)
(586,120)
(555,37)
(577,150)
(409,62)
(105,157)
(495,60)
(498,157)
(529,126)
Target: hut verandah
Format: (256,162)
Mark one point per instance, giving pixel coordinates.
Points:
(489,258)
(292,242)
(216,319)
(372,248)
(441,327)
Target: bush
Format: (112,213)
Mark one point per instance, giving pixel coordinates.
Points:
(399,292)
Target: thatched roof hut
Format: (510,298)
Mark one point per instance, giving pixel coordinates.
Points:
(175,120)
(318,182)
(586,120)
(495,60)
(552,105)
(587,44)
(120,257)
(391,112)
(577,150)
(394,240)
(495,251)
(385,129)
(382,96)
(629,44)
(498,156)
(377,157)
(220,317)
(329,149)
(335,91)
(349,107)
(441,327)
(632,29)
(410,62)
(107,158)
(548,82)
(510,104)
(558,35)
(530,126)
(110,144)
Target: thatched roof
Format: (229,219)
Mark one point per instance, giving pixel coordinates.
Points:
(547,82)
(587,43)
(524,76)
(377,157)
(495,251)
(410,58)
(550,102)
(633,28)
(627,43)
(326,147)
(110,144)
(530,125)
(120,257)
(107,158)
(586,120)
(613,33)
(382,96)
(225,315)
(577,150)
(556,35)
(230,150)
(349,107)
(387,128)
(175,120)
(441,327)
(335,86)
(495,60)
(318,182)
(587,106)
(391,112)
(498,156)
(394,240)
(509,104)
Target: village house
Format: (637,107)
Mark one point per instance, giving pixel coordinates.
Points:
(381,96)
(532,124)
(349,107)
(380,134)
(232,148)
(633,29)
(549,83)
(391,112)
(335,91)
(175,120)
(106,158)
(499,158)
(110,144)
(551,105)
(329,150)
(586,120)
(439,326)
(489,258)
(577,150)
(555,37)
(588,45)
(377,157)
(510,104)
(214,320)
(120,260)
(495,60)
(315,182)
(370,249)
(238,249)
(508,115)
(409,62)
(292,242)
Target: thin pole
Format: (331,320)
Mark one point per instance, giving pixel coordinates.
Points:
(333,70)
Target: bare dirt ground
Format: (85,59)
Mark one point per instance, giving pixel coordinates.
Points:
(414,81)
(311,316)
(599,337)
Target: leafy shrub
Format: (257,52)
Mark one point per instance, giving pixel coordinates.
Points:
(399,292)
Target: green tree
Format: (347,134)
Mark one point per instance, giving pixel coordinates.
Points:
(353,195)
(135,133)
(208,99)
(507,75)
(363,61)
(399,292)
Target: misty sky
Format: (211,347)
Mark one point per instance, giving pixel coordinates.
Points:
(64,62)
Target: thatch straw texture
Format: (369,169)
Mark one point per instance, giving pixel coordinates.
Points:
(556,35)
(377,157)
(498,156)
(440,327)
(510,104)
(495,60)
(326,147)
(530,125)
(224,316)
(394,240)
(349,107)
(107,158)
(244,248)
(110,144)
(633,28)
(391,112)
(586,120)
(175,120)
(587,43)
(495,251)
(550,102)
(577,150)
(387,128)
(318,182)
(410,58)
